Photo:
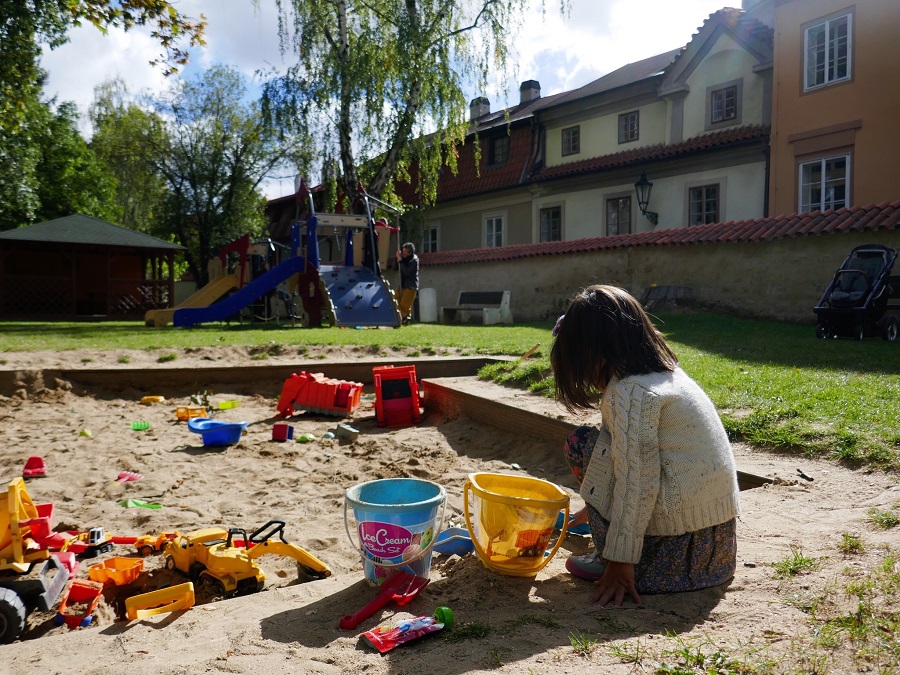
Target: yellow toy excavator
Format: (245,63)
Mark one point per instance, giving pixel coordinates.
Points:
(29,577)
(211,556)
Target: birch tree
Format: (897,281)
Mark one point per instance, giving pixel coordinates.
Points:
(381,82)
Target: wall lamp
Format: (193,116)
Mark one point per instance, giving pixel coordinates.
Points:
(643,188)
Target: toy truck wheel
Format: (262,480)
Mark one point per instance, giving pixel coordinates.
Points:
(12,616)
(146,550)
(170,563)
(215,586)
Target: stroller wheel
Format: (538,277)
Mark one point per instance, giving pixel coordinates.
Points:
(889,329)
(822,331)
(859,332)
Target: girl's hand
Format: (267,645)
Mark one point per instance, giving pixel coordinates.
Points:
(617,580)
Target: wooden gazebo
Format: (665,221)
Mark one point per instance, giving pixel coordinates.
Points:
(83,267)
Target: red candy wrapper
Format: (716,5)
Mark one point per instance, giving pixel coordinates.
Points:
(385,638)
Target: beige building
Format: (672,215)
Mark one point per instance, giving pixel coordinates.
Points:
(835,137)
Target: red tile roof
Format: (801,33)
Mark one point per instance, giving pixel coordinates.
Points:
(868,218)
(730,138)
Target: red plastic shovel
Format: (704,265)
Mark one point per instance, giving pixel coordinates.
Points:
(401,588)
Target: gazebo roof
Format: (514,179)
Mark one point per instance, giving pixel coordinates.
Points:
(80,229)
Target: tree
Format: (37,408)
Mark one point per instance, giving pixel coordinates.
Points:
(126,139)
(70,178)
(371,73)
(216,151)
(25,25)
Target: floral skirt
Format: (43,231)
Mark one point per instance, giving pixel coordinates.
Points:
(668,564)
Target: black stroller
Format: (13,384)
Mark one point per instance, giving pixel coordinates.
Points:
(856,301)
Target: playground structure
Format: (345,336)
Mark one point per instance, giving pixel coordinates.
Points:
(344,288)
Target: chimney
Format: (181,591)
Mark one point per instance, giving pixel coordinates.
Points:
(479,107)
(529,91)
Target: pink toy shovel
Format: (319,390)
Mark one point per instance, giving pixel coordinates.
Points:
(126,476)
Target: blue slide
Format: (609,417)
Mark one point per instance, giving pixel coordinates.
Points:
(359,297)
(234,303)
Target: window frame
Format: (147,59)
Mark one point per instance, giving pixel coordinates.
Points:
(541,210)
(690,202)
(493,144)
(567,145)
(631,213)
(493,216)
(826,22)
(711,91)
(821,160)
(435,228)
(622,130)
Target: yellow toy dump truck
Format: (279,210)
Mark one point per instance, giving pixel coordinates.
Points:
(211,556)
(29,577)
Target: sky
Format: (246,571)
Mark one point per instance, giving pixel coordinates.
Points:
(562,52)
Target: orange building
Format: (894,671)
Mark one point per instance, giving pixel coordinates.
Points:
(835,137)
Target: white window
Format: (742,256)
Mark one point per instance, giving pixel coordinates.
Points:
(430,238)
(703,204)
(551,224)
(618,216)
(724,104)
(827,49)
(825,183)
(493,230)
(571,140)
(629,126)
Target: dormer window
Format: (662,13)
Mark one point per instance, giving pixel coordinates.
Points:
(498,151)
(724,104)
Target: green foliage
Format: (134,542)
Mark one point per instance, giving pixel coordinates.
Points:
(44,169)
(216,151)
(850,544)
(582,644)
(370,76)
(796,563)
(471,630)
(883,519)
(702,655)
(126,137)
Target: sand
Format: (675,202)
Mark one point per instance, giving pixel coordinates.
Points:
(503,624)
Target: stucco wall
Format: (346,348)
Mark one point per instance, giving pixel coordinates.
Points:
(781,279)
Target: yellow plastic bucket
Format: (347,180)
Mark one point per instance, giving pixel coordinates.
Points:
(511,521)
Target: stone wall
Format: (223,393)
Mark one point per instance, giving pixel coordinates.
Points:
(782,279)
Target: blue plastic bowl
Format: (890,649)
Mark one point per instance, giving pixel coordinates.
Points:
(454,541)
(217,432)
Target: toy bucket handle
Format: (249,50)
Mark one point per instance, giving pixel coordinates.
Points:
(403,563)
(483,554)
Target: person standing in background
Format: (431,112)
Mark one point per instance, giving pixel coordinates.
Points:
(408,262)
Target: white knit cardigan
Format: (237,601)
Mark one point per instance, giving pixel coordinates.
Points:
(662,464)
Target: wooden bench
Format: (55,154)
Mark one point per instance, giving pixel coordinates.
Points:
(488,307)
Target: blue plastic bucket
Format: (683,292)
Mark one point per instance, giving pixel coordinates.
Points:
(397,521)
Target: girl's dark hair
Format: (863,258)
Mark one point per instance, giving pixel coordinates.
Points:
(604,333)
(411,246)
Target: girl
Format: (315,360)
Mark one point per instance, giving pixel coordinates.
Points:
(658,476)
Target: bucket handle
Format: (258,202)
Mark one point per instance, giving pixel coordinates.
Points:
(403,563)
(483,554)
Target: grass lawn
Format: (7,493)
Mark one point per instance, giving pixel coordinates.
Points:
(775,384)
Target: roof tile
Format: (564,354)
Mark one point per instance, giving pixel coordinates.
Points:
(884,216)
